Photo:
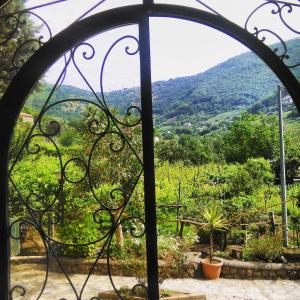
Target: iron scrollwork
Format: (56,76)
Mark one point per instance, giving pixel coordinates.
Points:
(24,48)
(109,132)
(282,9)
(16,20)
(106,134)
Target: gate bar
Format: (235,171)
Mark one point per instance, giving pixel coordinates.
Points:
(148,158)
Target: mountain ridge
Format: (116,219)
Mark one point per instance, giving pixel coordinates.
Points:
(196,103)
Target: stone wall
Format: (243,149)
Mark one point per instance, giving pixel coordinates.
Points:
(83,266)
(192,269)
(259,270)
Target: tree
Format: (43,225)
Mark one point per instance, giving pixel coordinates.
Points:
(18,138)
(202,150)
(113,162)
(36,183)
(171,151)
(244,179)
(11,39)
(252,136)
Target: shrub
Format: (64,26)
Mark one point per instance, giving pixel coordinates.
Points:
(237,236)
(172,251)
(133,248)
(265,248)
(222,254)
(79,232)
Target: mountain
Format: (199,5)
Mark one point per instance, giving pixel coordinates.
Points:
(198,103)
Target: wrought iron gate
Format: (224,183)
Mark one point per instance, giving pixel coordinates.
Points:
(111,131)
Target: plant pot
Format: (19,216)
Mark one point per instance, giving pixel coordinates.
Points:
(211,271)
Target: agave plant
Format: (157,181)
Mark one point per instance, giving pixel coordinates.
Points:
(213,219)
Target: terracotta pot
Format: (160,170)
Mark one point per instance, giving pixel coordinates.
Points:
(211,271)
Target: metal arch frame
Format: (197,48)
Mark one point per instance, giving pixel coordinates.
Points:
(3,3)
(14,98)
(59,44)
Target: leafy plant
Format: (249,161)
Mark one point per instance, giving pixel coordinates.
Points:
(237,236)
(222,254)
(213,219)
(265,248)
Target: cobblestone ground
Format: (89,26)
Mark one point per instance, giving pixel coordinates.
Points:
(58,287)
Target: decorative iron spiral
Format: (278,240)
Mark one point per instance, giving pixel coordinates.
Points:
(282,9)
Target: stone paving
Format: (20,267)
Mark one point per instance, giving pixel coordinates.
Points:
(238,289)
(58,287)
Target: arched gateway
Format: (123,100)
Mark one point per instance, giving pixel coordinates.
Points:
(69,41)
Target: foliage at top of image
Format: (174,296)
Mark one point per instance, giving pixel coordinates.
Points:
(25,32)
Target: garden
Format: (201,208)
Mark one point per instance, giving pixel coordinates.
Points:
(217,196)
(78,210)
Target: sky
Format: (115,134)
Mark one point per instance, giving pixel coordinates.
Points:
(178,48)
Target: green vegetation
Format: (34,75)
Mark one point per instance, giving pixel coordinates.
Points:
(24,33)
(228,171)
(252,136)
(231,172)
(213,219)
(266,248)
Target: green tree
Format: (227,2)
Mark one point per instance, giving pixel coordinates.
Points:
(252,136)
(202,150)
(171,151)
(68,137)
(113,162)
(24,32)
(244,179)
(35,182)
(18,138)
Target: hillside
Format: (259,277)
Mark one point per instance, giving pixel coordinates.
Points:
(199,103)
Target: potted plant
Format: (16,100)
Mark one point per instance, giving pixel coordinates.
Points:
(213,219)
